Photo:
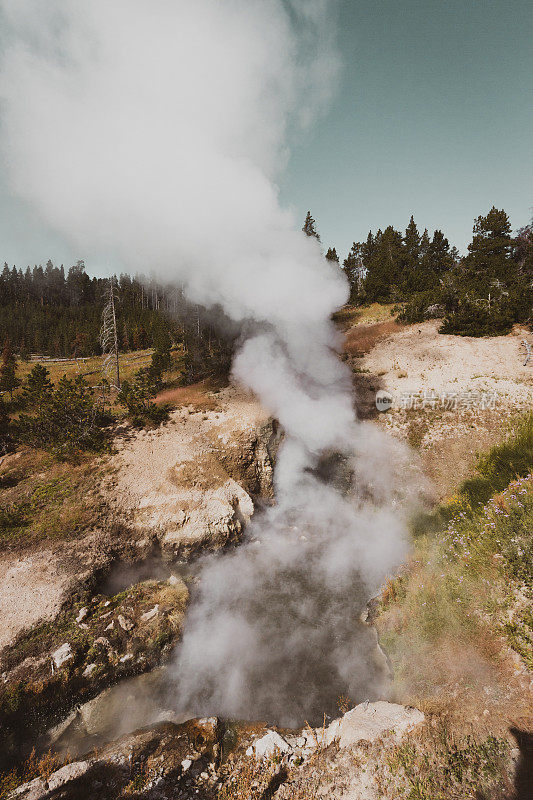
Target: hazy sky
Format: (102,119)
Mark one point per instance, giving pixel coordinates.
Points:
(433,116)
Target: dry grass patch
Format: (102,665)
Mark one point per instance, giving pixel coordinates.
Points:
(197,395)
(42,498)
(361,339)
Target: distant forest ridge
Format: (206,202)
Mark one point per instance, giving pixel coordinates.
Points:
(50,312)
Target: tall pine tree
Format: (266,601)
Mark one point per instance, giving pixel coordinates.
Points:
(309,226)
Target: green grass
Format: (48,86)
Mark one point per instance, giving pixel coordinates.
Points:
(466,597)
(502,463)
(45,499)
(494,471)
(440,767)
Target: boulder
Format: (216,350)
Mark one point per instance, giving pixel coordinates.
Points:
(218,518)
(33,790)
(62,655)
(370,721)
(70,772)
(269,744)
(125,623)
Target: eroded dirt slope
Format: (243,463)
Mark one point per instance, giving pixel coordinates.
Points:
(453,396)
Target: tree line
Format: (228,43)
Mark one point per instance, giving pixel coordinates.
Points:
(51,312)
(484,292)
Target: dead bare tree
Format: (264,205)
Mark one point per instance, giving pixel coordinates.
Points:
(109,336)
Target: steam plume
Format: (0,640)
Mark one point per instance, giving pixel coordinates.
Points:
(151,135)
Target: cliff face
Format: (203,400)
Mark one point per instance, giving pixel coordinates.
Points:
(191,482)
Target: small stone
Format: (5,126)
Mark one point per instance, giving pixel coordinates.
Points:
(82,614)
(103,641)
(110,626)
(125,623)
(185,764)
(269,743)
(173,580)
(148,615)
(88,671)
(125,658)
(62,655)
(204,776)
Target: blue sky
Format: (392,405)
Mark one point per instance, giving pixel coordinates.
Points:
(433,117)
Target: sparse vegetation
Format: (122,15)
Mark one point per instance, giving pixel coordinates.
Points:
(437,766)
(450,621)
(46,499)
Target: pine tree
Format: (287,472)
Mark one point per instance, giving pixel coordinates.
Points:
(8,376)
(440,260)
(489,253)
(5,429)
(331,255)
(354,268)
(385,274)
(309,226)
(38,388)
(410,278)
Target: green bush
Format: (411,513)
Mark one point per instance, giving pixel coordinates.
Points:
(65,419)
(137,399)
(416,308)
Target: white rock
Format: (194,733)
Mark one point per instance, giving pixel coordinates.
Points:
(269,744)
(82,614)
(69,772)
(110,626)
(88,671)
(173,580)
(185,764)
(125,658)
(33,790)
(148,615)
(125,623)
(62,655)
(368,722)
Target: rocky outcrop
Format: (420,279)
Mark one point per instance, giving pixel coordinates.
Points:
(184,761)
(177,761)
(191,482)
(213,522)
(56,667)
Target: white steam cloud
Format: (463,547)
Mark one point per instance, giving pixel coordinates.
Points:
(151,133)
